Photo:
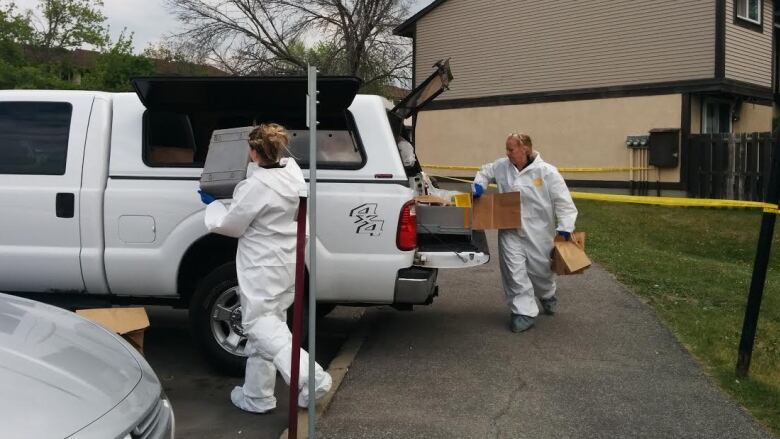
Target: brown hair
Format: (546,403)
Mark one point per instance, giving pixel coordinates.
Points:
(523,139)
(269,140)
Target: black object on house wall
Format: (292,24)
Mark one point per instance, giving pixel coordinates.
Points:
(664,147)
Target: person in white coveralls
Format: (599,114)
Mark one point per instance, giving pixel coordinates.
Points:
(524,253)
(262,215)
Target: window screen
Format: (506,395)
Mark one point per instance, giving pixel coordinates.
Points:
(34,137)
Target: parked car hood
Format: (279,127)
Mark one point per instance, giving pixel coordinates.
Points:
(58,371)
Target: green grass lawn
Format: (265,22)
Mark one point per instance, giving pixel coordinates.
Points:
(694,265)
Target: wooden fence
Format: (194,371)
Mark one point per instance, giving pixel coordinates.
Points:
(729,166)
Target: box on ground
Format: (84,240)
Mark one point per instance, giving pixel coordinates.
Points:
(569,256)
(130,323)
(497,211)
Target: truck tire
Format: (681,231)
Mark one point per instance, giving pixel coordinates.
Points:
(215,318)
(217,295)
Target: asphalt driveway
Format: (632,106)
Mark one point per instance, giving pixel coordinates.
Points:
(604,366)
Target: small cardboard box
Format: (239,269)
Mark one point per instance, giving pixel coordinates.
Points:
(497,211)
(432,200)
(569,256)
(130,323)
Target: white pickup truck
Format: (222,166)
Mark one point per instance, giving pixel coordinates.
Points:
(99,202)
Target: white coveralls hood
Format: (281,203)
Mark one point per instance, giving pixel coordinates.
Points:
(262,215)
(524,253)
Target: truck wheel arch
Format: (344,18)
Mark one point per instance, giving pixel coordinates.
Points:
(200,259)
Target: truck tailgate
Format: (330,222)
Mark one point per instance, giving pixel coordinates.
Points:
(452,250)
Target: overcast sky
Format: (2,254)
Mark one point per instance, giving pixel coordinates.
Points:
(148,19)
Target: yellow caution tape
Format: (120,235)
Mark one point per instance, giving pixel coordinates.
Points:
(602,169)
(671,201)
(660,201)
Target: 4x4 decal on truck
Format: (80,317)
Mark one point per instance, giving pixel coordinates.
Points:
(366,219)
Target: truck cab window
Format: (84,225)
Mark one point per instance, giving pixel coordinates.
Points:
(34,137)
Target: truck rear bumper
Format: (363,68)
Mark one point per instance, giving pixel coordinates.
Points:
(415,285)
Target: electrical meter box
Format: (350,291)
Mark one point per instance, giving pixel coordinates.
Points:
(664,147)
(227,161)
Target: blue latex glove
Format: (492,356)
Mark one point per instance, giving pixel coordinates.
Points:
(564,235)
(206,197)
(478,190)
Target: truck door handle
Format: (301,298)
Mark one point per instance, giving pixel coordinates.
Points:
(64,205)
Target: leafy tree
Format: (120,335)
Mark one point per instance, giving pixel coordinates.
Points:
(179,58)
(116,66)
(70,24)
(45,76)
(63,25)
(14,27)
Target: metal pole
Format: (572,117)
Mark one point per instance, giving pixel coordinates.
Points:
(312,74)
(631,169)
(759,267)
(300,262)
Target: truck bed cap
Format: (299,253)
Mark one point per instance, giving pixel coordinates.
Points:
(285,94)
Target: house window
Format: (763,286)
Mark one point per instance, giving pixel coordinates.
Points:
(716,116)
(749,10)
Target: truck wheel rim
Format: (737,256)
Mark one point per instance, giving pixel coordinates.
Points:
(225,322)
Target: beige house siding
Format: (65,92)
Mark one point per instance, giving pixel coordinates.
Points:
(749,52)
(587,133)
(510,47)
(754,118)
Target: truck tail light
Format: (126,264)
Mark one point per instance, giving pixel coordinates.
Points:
(406,239)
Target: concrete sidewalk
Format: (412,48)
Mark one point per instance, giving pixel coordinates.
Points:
(604,366)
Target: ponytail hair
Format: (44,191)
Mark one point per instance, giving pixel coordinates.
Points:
(269,140)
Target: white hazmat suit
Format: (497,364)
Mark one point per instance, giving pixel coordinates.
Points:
(262,215)
(524,253)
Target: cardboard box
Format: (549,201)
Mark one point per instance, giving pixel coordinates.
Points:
(569,256)
(432,200)
(497,211)
(130,323)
